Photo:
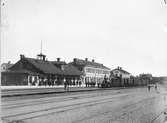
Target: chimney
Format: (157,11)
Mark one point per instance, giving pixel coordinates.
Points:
(44,57)
(86,59)
(74,60)
(93,60)
(58,59)
(9,62)
(120,68)
(22,56)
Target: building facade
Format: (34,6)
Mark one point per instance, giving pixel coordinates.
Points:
(10,78)
(119,72)
(93,72)
(146,79)
(31,71)
(124,76)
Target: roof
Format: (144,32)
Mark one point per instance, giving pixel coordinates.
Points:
(7,65)
(68,68)
(121,70)
(49,67)
(58,62)
(89,63)
(44,66)
(71,70)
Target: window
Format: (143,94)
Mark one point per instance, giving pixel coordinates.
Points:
(90,70)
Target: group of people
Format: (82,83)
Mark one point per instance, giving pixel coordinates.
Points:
(90,84)
(67,83)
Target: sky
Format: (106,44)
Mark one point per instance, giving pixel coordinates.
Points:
(127,33)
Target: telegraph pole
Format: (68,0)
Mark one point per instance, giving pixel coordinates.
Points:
(41,47)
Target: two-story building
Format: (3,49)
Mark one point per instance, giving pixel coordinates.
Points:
(119,72)
(123,75)
(93,72)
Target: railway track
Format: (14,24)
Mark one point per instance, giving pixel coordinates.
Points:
(58,109)
(162,112)
(91,100)
(118,114)
(54,100)
(58,98)
(122,111)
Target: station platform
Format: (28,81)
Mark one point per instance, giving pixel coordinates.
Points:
(7,91)
(29,87)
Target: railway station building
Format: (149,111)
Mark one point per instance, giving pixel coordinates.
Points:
(39,71)
(93,72)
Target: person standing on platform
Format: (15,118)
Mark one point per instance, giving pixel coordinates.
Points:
(156,87)
(149,87)
(65,84)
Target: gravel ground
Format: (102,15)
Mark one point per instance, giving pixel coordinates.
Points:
(135,105)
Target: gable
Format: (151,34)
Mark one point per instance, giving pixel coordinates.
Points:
(116,71)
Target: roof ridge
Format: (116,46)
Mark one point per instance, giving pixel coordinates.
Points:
(44,66)
(95,64)
(121,70)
